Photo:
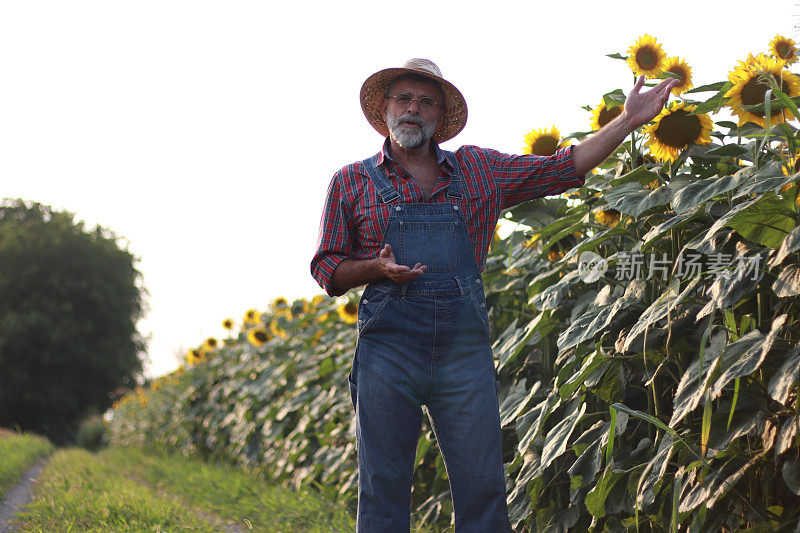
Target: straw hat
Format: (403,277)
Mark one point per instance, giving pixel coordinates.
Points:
(373,93)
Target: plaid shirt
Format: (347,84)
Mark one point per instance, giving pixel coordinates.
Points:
(355,218)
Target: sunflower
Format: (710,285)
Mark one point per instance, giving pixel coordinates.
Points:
(749,88)
(674,129)
(210,344)
(251,317)
(680,68)
(276,330)
(607,217)
(258,336)
(555,255)
(227,324)
(646,57)
(791,168)
(348,312)
(543,142)
(783,48)
(531,242)
(193,357)
(602,115)
(317,300)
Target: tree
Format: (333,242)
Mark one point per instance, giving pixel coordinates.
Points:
(69,302)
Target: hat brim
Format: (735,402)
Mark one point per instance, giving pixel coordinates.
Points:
(373,93)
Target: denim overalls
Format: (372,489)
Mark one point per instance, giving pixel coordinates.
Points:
(427,342)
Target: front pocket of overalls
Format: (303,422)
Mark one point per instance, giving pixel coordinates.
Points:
(479,304)
(434,244)
(371,307)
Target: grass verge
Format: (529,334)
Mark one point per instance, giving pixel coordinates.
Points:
(231,493)
(18,451)
(77,492)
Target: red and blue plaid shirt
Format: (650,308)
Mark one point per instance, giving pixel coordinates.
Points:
(355,218)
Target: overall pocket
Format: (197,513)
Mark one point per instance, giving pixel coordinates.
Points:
(478,300)
(371,307)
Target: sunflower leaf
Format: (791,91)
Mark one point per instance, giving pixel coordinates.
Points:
(728,150)
(614,98)
(707,88)
(715,102)
(633,199)
(788,282)
(616,55)
(766,222)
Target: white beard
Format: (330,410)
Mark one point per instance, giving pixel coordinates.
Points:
(409,137)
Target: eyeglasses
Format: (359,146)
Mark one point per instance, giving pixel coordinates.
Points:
(405,99)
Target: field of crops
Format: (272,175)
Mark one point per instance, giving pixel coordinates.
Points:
(646,335)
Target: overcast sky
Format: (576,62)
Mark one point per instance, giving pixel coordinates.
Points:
(206,133)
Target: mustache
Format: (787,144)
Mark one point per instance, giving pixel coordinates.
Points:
(411,118)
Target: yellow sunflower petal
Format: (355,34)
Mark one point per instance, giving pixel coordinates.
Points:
(601,115)
(674,129)
(258,336)
(348,312)
(680,68)
(543,142)
(749,88)
(783,48)
(646,57)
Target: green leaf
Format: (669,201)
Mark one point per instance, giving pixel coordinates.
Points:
(700,191)
(612,428)
(786,435)
(616,55)
(644,416)
(614,98)
(766,221)
(653,474)
(785,377)
(790,244)
(586,466)
(715,102)
(633,199)
(791,474)
(708,88)
(595,319)
(745,355)
(674,222)
(769,178)
(728,150)
(596,498)
(787,283)
(640,175)
(694,381)
(555,443)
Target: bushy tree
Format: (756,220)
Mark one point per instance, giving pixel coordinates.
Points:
(69,302)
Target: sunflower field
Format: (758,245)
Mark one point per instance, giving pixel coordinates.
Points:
(646,335)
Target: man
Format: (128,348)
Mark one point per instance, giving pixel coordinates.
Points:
(415,223)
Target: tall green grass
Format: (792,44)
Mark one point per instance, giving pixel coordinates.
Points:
(77,492)
(231,492)
(18,451)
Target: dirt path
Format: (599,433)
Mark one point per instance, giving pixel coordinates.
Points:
(228,527)
(20,495)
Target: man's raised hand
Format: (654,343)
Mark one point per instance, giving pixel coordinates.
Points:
(398,273)
(642,107)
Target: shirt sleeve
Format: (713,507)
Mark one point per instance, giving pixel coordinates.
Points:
(524,177)
(334,243)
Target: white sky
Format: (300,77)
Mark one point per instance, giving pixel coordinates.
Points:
(206,133)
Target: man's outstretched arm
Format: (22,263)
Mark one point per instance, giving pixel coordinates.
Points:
(640,108)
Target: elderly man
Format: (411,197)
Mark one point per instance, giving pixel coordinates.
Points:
(414,222)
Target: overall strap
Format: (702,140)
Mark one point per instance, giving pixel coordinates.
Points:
(378,176)
(454,189)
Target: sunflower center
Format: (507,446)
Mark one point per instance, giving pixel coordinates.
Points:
(784,50)
(351,308)
(261,336)
(607,115)
(680,72)
(544,145)
(678,129)
(646,58)
(753,93)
